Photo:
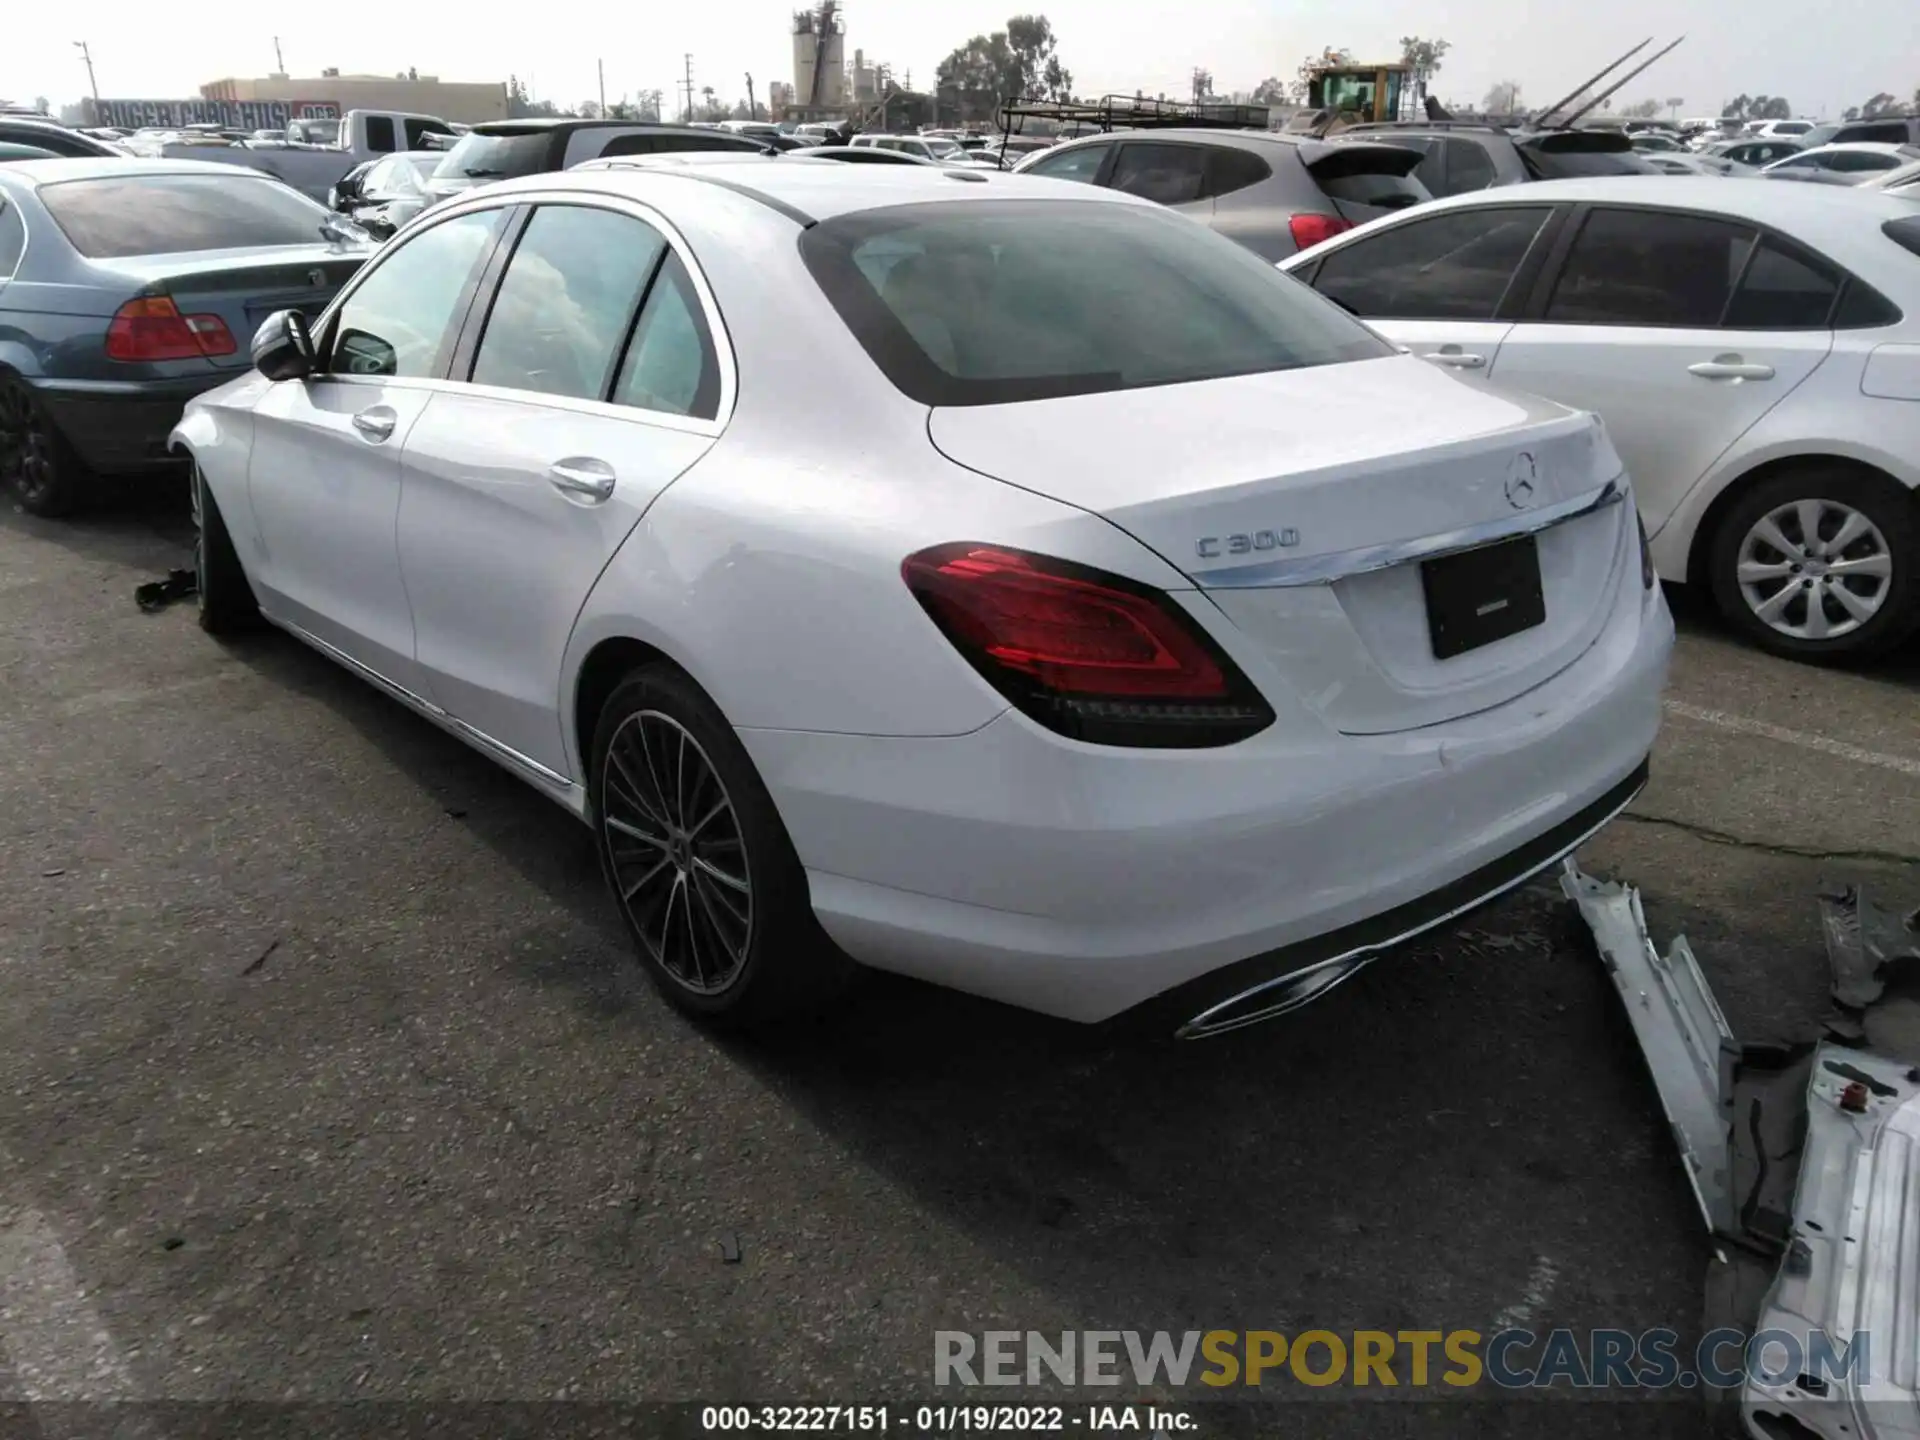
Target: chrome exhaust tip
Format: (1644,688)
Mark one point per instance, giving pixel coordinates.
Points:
(1281,995)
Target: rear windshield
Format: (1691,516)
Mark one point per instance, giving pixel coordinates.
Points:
(1574,164)
(110,218)
(497,157)
(1002,301)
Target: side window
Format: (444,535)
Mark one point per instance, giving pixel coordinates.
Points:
(1081,163)
(1431,172)
(636,142)
(1469,167)
(1230,170)
(401,319)
(380,134)
(1451,267)
(1860,161)
(1803,162)
(565,301)
(418,130)
(1168,174)
(13,239)
(671,365)
(1783,290)
(1644,267)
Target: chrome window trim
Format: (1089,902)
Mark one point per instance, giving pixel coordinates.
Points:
(1344,564)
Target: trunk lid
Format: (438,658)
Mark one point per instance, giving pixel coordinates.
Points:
(244,287)
(1249,482)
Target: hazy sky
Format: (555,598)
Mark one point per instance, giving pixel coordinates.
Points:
(1822,59)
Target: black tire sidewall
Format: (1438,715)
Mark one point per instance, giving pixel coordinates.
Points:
(62,495)
(790,964)
(223,597)
(1882,502)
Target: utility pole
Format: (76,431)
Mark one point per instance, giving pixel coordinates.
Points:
(601,65)
(687,85)
(753,109)
(279,60)
(92,84)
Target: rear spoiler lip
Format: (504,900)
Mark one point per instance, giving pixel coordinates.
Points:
(1399,160)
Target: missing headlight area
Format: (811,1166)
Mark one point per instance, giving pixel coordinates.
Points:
(1804,1157)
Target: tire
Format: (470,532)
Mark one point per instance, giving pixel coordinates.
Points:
(36,461)
(222,591)
(1754,580)
(722,922)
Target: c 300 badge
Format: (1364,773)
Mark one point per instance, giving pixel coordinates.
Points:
(1245,543)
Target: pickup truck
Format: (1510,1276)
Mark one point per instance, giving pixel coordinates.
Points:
(312,168)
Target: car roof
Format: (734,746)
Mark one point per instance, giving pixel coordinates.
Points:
(821,190)
(104,167)
(1864,147)
(546,124)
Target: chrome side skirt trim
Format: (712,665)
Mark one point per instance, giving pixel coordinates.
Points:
(550,783)
(1300,988)
(1343,564)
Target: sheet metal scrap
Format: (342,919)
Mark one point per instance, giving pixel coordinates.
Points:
(1805,1158)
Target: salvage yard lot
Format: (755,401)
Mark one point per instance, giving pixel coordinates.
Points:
(325,1073)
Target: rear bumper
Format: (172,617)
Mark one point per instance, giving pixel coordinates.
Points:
(121,426)
(1082,881)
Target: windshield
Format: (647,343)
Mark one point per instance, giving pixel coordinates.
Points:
(994,302)
(108,219)
(496,157)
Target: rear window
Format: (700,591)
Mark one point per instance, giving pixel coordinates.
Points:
(108,219)
(1568,164)
(997,302)
(498,157)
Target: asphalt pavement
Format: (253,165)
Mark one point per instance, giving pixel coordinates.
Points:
(325,1074)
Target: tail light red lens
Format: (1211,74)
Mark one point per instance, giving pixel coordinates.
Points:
(1312,229)
(152,328)
(1087,654)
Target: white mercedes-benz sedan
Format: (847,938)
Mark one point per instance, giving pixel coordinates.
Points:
(1001,582)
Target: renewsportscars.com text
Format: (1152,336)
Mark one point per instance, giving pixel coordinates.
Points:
(1510,1359)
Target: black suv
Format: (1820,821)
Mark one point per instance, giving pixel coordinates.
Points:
(503,149)
(1463,156)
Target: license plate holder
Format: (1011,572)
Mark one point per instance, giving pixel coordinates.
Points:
(1483,595)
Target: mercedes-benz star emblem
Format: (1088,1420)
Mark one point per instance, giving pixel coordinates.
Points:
(1521,478)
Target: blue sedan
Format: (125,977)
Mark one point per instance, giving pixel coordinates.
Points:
(129,286)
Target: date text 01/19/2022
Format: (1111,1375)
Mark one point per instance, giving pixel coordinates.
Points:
(947,1419)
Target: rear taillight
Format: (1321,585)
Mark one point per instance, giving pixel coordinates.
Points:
(1646,554)
(1087,654)
(1312,229)
(152,328)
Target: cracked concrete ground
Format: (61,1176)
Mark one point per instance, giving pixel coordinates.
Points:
(323,1068)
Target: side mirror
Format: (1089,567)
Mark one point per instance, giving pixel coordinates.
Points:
(283,347)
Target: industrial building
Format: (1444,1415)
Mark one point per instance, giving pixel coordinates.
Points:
(819,63)
(412,92)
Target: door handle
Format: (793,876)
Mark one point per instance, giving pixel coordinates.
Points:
(591,480)
(1457,359)
(1730,367)
(377,423)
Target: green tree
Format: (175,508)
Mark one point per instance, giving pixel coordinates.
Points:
(1642,110)
(1881,104)
(1503,98)
(1423,55)
(1738,108)
(1270,91)
(1019,62)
